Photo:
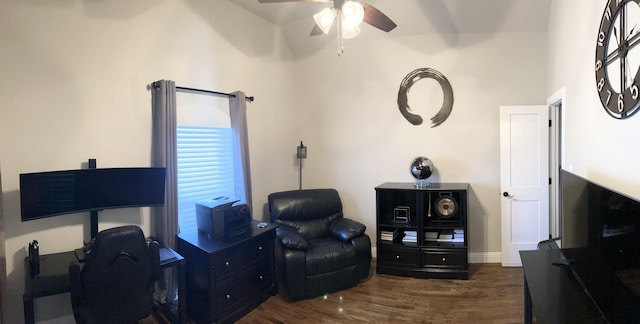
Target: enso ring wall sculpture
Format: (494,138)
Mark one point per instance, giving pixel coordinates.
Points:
(405,86)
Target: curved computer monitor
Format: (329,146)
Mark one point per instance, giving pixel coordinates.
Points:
(46,194)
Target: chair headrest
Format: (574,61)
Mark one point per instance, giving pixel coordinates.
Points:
(304,204)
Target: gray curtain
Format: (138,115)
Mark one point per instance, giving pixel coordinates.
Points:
(164,219)
(242,176)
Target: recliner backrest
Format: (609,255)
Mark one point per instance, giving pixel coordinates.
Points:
(308,211)
(119,275)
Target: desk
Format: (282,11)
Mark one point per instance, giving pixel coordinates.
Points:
(557,296)
(170,258)
(54,279)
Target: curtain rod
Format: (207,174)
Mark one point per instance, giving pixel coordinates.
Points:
(248,98)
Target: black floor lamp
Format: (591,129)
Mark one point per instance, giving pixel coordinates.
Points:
(302,154)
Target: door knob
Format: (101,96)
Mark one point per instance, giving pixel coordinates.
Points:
(506,194)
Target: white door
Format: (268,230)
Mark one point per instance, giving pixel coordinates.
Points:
(524,179)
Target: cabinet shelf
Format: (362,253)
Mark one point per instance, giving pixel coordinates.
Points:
(433,241)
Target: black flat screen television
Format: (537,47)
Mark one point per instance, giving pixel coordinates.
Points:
(45,194)
(601,241)
(574,212)
(593,215)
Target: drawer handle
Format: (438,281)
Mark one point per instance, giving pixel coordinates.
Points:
(260,248)
(444,259)
(228,296)
(226,263)
(397,257)
(260,277)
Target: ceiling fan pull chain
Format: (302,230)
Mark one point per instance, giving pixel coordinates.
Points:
(340,43)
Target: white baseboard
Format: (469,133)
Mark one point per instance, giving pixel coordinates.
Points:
(485,257)
(474,257)
(60,320)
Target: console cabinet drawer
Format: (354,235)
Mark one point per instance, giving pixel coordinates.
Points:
(398,257)
(445,259)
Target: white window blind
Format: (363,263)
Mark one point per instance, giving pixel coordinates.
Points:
(205,169)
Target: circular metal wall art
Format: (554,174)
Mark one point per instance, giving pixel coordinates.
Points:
(405,86)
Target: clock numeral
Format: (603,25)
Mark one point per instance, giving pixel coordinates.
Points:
(601,38)
(608,97)
(600,84)
(607,14)
(598,65)
(634,92)
(620,102)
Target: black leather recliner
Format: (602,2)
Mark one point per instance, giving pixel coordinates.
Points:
(317,250)
(115,283)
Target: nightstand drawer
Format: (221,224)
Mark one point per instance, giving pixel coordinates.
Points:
(249,287)
(234,259)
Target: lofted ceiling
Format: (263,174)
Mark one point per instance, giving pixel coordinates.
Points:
(413,17)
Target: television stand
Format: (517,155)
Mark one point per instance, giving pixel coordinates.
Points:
(558,295)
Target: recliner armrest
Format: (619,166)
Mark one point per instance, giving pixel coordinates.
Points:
(291,239)
(346,229)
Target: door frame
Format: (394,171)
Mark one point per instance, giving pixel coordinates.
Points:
(556,145)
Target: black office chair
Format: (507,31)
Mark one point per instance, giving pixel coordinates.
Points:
(115,283)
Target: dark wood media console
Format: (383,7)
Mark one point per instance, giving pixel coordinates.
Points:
(422,232)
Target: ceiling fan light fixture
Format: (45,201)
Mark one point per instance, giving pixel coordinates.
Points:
(324,19)
(350,31)
(352,13)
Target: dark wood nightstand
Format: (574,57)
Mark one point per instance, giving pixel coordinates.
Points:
(226,280)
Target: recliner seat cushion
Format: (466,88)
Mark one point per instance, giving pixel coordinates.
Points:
(328,254)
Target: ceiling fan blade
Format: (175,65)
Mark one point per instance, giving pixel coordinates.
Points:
(315,31)
(276,1)
(376,18)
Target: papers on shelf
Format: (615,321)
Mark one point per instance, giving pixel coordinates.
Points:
(410,237)
(431,236)
(386,236)
(455,235)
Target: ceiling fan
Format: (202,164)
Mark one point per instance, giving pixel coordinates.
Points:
(349,15)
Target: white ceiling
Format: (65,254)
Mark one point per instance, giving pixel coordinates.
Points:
(413,17)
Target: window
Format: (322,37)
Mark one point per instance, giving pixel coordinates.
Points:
(204,154)
(205,169)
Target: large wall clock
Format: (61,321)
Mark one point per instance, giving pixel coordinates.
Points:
(617,59)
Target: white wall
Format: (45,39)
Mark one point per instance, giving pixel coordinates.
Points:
(596,146)
(73,87)
(358,139)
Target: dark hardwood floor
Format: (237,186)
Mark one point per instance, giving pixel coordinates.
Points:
(493,294)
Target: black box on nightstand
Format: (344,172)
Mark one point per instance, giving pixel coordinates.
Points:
(222,218)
